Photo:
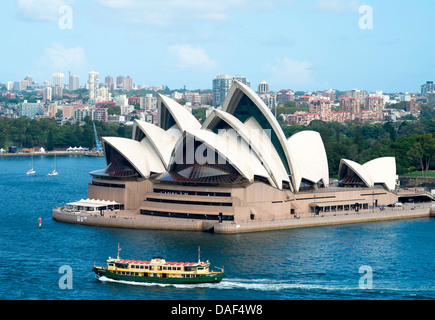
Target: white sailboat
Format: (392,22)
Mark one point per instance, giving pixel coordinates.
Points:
(31,171)
(54,172)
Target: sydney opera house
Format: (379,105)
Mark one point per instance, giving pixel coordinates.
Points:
(237,166)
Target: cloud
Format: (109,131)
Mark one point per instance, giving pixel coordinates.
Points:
(40,10)
(59,58)
(337,6)
(187,57)
(288,72)
(177,12)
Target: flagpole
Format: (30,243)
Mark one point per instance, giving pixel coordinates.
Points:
(199,254)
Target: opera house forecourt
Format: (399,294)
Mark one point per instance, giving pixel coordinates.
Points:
(236,172)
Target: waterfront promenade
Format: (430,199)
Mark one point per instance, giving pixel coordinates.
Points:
(131,219)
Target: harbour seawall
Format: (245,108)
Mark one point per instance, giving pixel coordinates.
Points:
(135,221)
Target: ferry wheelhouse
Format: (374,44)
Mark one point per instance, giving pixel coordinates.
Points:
(158,270)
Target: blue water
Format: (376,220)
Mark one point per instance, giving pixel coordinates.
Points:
(300,264)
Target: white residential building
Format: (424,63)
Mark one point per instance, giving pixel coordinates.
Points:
(93,85)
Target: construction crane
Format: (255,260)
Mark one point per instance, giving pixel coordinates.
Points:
(97,142)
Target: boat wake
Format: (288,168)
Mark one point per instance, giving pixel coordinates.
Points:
(268,285)
(235,283)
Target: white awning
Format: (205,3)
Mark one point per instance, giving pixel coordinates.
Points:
(92,203)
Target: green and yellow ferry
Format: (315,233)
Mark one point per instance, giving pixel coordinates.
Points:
(158,270)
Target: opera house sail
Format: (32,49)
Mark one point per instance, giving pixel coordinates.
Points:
(235,167)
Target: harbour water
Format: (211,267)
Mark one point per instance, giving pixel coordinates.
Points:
(385,260)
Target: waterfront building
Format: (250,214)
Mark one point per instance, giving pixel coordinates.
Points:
(236,167)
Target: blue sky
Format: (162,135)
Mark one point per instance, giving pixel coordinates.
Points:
(299,45)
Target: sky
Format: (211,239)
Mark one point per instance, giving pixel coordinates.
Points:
(300,45)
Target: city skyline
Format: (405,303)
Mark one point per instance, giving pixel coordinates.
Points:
(307,46)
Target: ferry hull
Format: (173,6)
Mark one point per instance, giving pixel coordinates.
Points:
(206,278)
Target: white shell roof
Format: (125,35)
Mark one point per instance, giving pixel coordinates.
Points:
(359,170)
(237,154)
(230,107)
(280,160)
(382,170)
(310,156)
(141,155)
(183,118)
(258,141)
(163,141)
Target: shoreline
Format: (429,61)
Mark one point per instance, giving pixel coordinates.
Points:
(50,153)
(133,220)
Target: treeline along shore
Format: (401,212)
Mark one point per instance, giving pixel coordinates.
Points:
(411,142)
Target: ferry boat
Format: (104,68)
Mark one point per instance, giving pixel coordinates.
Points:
(158,270)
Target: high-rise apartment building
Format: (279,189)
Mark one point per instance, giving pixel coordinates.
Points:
(47,94)
(426,88)
(149,102)
(30,110)
(74,82)
(413,106)
(57,91)
(321,106)
(110,83)
(58,79)
(119,82)
(359,95)
(350,104)
(285,95)
(221,85)
(93,85)
(263,87)
(128,84)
